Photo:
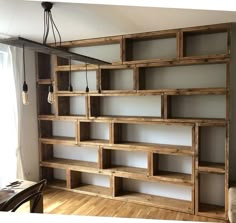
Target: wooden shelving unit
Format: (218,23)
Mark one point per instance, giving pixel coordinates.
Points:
(151,82)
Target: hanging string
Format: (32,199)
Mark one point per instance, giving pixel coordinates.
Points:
(86,75)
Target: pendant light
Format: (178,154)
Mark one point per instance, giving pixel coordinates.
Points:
(25,96)
(51,97)
(70,88)
(87,88)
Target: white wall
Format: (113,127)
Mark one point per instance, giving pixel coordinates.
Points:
(30,125)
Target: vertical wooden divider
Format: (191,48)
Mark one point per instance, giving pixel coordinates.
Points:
(116,185)
(227,137)
(122,49)
(76,132)
(165,106)
(111,133)
(228,91)
(73,178)
(55,85)
(193,166)
(179,45)
(98,79)
(87,107)
(197,177)
(136,78)
(100,157)
(150,164)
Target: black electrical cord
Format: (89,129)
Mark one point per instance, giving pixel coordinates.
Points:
(70,88)
(47,20)
(86,75)
(25,86)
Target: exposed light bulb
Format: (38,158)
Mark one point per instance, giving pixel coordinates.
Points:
(50,95)
(25,95)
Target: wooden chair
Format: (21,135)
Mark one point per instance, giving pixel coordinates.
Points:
(33,194)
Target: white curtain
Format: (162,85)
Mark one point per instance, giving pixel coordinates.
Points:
(10,114)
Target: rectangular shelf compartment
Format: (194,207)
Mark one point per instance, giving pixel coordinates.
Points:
(94,133)
(72,106)
(77,81)
(208,42)
(89,183)
(43,62)
(185,79)
(119,106)
(150,46)
(119,80)
(44,108)
(132,135)
(210,205)
(212,149)
(52,131)
(52,156)
(196,107)
(56,178)
(122,193)
(172,168)
(118,161)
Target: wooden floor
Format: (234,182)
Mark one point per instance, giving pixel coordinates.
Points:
(65,202)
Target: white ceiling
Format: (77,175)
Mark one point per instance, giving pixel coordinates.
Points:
(79,21)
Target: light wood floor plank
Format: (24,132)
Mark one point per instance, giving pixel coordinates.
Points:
(66,202)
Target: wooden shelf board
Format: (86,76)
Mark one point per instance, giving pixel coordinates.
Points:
(174,177)
(60,93)
(55,183)
(156,201)
(127,118)
(46,117)
(69,164)
(77,67)
(45,81)
(72,117)
(216,56)
(94,142)
(210,167)
(128,170)
(187,91)
(158,148)
(59,140)
(93,190)
(213,211)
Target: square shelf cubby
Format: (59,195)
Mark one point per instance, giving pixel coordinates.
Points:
(89,183)
(172,168)
(124,161)
(94,133)
(121,80)
(56,177)
(72,106)
(56,131)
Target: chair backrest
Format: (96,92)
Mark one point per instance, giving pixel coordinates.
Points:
(32,193)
